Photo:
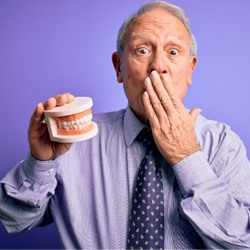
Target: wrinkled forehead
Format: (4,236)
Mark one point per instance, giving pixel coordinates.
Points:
(159,19)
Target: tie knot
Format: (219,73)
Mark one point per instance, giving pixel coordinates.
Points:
(145,137)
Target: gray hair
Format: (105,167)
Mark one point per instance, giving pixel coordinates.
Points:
(172,9)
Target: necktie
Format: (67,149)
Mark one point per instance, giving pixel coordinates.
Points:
(146,226)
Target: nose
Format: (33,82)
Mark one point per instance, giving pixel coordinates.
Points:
(158,62)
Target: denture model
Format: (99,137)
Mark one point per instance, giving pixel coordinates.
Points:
(71,122)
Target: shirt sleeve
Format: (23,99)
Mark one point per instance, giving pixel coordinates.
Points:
(25,193)
(216,194)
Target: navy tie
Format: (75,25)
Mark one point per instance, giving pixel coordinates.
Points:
(146,225)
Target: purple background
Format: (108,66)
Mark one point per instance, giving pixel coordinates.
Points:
(50,47)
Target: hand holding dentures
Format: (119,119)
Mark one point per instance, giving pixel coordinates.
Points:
(68,119)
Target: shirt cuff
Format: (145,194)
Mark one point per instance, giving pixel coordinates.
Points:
(39,171)
(191,171)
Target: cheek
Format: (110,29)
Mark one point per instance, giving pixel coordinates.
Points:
(180,81)
(134,69)
(181,73)
(133,81)
(134,73)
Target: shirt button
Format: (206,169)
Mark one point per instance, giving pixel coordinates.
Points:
(51,171)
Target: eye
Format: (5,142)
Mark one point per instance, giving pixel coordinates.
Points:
(173,52)
(142,50)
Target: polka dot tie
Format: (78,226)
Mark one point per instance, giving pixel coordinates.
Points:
(146,226)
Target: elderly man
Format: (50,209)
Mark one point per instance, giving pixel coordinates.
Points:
(190,190)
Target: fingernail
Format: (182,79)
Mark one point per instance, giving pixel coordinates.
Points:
(145,94)
(154,74)
(148,82)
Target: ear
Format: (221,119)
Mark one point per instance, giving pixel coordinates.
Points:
(193,64)
(116,59)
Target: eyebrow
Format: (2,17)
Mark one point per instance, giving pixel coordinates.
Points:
(177,41)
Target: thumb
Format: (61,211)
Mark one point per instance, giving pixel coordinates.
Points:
(194,113)
(37,116)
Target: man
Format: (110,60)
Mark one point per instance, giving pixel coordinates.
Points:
(87,188)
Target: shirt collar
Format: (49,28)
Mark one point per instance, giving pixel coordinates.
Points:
(132,126)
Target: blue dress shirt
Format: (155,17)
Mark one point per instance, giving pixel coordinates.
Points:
(87,191)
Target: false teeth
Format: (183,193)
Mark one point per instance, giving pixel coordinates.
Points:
(71,122)
(77,124)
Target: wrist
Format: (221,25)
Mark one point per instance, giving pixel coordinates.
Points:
(43,159)
(179,156)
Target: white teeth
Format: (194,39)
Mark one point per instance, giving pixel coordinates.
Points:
(77,124)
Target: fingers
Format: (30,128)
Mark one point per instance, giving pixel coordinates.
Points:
(58,100)
(52,102)
(63,99)
(70,97)
(161,101)
(176,100)
(158,95)
(194,114)
(173,126)
(37,116)
(150,111)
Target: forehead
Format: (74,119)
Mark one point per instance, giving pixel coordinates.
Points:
(160,22)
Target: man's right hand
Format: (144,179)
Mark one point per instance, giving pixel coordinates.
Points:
(42,148)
